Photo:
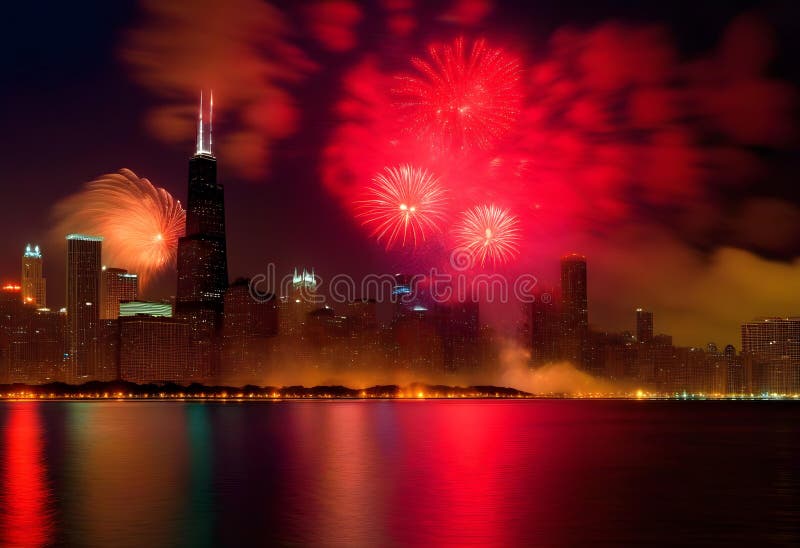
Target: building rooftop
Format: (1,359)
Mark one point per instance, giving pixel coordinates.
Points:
(84,237)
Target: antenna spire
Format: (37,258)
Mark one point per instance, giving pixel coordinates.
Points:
(200,126)
(210,122)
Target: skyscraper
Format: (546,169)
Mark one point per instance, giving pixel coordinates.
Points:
(202,255)
(10,311)
(34,288)
(644,326)
(116,286)
(574,309)
(295,306)
(83,306)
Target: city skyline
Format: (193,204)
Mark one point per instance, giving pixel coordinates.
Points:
(247,333)
(400,273)
(715,254)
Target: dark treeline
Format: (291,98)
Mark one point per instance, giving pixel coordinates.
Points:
(116,389)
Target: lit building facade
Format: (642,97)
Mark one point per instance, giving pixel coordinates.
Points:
(116,285)
(83,304)
(771,354)
(10,309)
(153,349)
(33,283)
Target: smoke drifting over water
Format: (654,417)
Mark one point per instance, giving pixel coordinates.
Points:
(511,370)
(553,378)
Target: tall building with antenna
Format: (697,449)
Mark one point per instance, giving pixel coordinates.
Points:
(34,288)
(202,254)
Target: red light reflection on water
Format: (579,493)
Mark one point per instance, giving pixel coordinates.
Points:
(24,514)
(418,472)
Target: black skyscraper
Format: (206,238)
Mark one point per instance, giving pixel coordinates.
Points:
(202,257)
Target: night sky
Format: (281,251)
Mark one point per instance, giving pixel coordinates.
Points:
(92,88)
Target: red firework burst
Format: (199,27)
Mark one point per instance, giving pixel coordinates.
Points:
(489,233)
(405,204)
(461,99)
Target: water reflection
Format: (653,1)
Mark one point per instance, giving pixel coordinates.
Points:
(25,512)
(397,473)
(199,521)
(125,467)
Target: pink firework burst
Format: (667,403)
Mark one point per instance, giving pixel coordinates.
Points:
(404,205)
(489,233)
(462,97)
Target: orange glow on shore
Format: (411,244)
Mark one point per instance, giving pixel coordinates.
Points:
(364,395)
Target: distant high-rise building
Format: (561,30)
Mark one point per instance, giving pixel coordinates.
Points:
(574,310)
(83,303)
(116,286)
(295,306)
(10,309)
(34,286)
(736,377)
(202,255)
(771,353)
(153,350)
(644,326)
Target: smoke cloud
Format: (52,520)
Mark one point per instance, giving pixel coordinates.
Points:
(242,50)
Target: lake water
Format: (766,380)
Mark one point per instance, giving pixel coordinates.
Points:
(398,473)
